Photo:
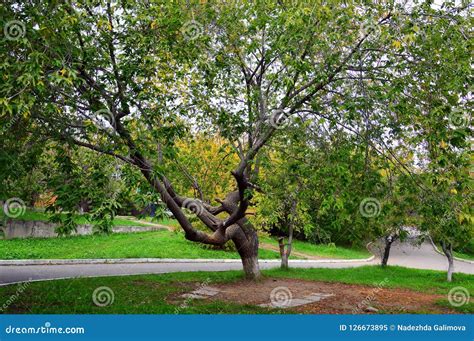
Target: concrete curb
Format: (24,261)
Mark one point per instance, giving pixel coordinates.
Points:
(163,260)
(441,253)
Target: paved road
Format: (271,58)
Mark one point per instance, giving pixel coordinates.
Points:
(21,273)
(404,254)
(424,256)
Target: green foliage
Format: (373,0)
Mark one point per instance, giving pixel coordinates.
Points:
(104,216)
(379,94)
(330,180)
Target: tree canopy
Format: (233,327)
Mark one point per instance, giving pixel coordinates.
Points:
(231,108)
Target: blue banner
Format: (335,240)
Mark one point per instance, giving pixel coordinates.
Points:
(237,327)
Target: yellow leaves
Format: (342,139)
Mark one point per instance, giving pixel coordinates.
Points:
(453,191)
(397,44)
(443,145)
(464,217)
(325,10)
(307,10)
(63,71)
(153,24)
(409,38)
(104,23)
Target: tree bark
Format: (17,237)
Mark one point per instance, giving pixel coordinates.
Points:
(448,251)
(251,267)
(246,242)
(388,244)
(283,253)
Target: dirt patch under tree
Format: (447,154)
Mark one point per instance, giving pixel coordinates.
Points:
(346,299)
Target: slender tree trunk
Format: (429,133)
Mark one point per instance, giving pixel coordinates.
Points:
(388,244)
(283,253)
(448,251)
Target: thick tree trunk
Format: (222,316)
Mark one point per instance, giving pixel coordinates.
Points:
(251,267)
(448,251)
(388,244)
(247,247)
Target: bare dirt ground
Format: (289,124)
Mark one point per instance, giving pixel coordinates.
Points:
(347,299)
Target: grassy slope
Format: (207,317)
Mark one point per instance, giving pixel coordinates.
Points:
(326,251)
(466,252)
(147,294)
(157,244)
(41,216)
(464,255)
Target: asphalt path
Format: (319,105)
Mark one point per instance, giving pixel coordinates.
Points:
(404,254)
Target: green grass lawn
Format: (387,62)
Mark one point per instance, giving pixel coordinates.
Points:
(466,252)
(322,250)
(462,255)
(155,244)
(164,221)
(30,215)
(149,294)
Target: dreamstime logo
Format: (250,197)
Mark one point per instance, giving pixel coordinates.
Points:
(369,26)
(103,296)
(458,296)
(194,205)
(457,119)
(369,207)
(192,30)
(279,119)
(280,297)
(14,207)
(107,114)
(14,30)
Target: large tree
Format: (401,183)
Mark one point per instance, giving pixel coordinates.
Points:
(129,79)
